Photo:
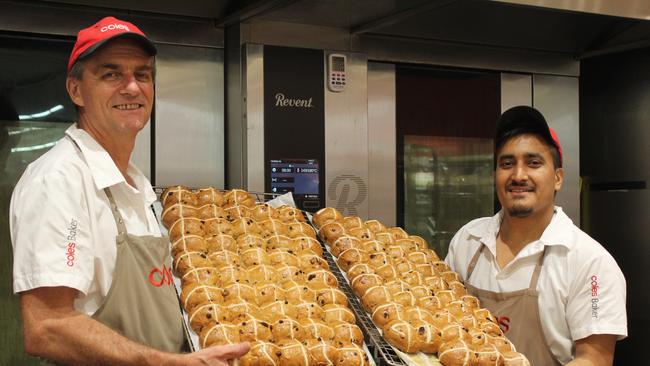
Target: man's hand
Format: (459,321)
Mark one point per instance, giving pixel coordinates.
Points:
(216,355)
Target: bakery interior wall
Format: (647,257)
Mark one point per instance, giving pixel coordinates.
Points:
(536,49)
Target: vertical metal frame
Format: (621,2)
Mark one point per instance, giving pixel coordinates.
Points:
(557,98)
(346,140)
(382,164)
(253,142)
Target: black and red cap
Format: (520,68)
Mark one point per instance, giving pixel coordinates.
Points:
(525,120)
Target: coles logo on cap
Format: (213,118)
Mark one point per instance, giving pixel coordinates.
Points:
(92,37)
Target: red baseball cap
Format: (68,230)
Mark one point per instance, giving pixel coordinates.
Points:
(93,37)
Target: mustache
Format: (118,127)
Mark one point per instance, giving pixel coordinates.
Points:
(514,185)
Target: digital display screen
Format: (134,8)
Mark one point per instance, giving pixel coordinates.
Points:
(338,64)
(298,176)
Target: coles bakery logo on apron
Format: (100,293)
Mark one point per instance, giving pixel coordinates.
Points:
(161,276)
(71,247)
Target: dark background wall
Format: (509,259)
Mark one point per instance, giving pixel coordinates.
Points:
(615,164)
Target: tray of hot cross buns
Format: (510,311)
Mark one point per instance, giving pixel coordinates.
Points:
(247,271)
(412,298)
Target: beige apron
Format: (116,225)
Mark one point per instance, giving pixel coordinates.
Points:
(142,303)
(522,308)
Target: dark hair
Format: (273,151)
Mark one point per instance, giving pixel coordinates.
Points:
(522,120)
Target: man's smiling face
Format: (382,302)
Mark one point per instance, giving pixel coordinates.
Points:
(525,178)
(117,88)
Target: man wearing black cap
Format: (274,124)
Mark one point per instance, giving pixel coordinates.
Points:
(557,294)
(88,252)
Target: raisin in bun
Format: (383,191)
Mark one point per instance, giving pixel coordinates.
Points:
(287,273)
(350,354)
(237,290)
(374,296)
(397,233)
(209,195)
(194,294)
(230,274)
(287,328)
(319,278)
(372,246)
(402,335)
(177,211)
(290,214)
(387,312)
(303,242)
(294,353)
(331,231)
(317,329)
(207,314)
(352,256)
(234,212)
(254,329)
(251,241)
(309,261)
(351,222)
(343,243)
(345,332)
(385,237)
(338,312)
(362,283)
(311,310)
(359,269)
(325,215)
(279,309)
(429,337)
(219,334)
(186,226)
(240,309)
(268,292)
(455,353)
(254,257)
(220,242)
(178,194)
(331,295)
(185,261)
(189,243)
(239,197)
(244,226)
(202,275)
(321,352)
(487,355)
(362,233)
(375,226)
(211,211)
(217,226)
(283,258)
(261,354)
(388,272)
(262,212)
(224,258)
(261,273)
(273,227)
(296,229)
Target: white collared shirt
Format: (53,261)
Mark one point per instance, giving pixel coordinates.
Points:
(581,288)
(62,229)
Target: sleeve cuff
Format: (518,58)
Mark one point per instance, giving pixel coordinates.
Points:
(620,331)
(30,282)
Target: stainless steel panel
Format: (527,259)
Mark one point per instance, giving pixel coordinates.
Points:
(346,141)
(382,169)
(189,129)
(516,89)
(235,64)
(396,49)
(254,125)
(557,98)
(44,18)
(639,9)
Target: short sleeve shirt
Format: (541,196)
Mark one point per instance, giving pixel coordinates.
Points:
(62,229)
(581,288)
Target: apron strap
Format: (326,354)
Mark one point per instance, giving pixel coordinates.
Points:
(538,269)
(121,227)
(472,263)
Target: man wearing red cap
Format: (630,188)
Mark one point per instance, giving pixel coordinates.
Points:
(89,257)
(558,295)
